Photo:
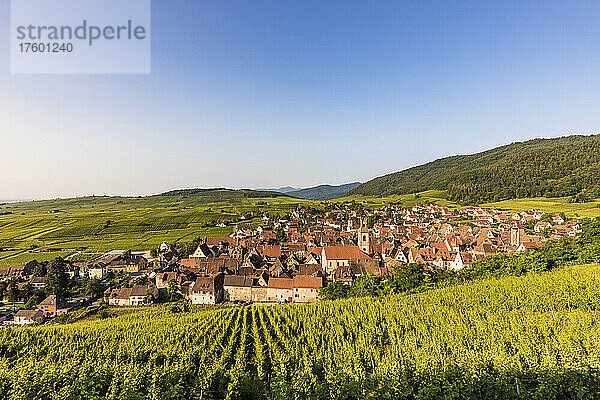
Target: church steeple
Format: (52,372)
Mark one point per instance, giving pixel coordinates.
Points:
(364,239)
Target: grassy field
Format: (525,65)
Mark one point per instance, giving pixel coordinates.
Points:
(406,200)
(554,205)
(549,205)
(531,337)
(24,257)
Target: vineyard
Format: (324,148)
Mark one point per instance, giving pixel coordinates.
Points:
(535,336)
(100,224)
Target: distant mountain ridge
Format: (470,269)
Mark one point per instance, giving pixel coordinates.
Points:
(223,192)
(558,167)
(320,192)
(285,189)
(324,192)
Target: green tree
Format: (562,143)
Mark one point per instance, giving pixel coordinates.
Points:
(39,270)
(173,288)
(365,285)
(149,297)
(405,278)
(279,234)
(371,221)
(581,197)
(334,290)
(57,280)
(13,292)
(3,289)
(35,299)
(94,287)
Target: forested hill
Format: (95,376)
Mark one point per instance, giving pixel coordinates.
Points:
(324,192)
(566,166)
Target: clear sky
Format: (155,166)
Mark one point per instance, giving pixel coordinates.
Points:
(273,93)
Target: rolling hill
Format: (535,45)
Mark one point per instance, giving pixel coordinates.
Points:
(284,189)
(220,194)
(174,198)
(565,166)
(95,224)
(324,192)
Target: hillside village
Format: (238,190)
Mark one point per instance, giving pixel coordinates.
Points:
(287,259)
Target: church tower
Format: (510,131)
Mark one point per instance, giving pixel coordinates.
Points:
(517,235)
(364,239)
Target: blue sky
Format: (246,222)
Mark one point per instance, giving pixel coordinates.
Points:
(274,93)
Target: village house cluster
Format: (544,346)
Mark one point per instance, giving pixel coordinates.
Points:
(255,265)
(290,259)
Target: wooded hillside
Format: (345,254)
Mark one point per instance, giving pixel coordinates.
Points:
(566,166)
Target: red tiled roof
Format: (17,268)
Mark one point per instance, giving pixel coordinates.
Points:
(280,283)
(204,283)
(532,245)
(305,281)
(272,251)
(344,253)
(214,241)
